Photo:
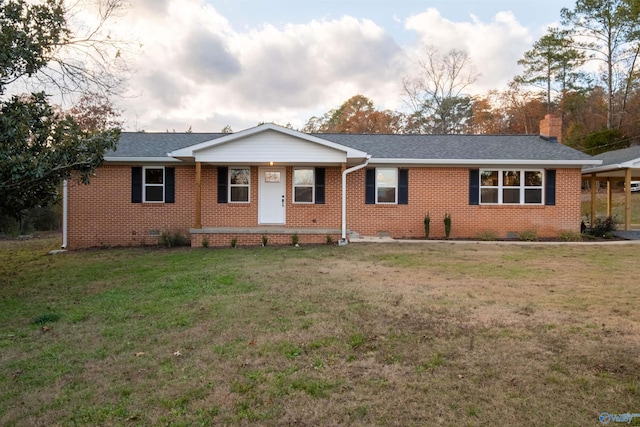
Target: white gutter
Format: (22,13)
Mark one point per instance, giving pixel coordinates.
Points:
(65,212)
(344,196)
(481,162)
(142,159)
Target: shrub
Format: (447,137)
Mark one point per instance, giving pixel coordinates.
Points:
(447,225)
(205,242)
(603,226)
(294,239)
(570,236)
(170,239)
(427,223)
(528,235)
(329,239)
(265,240)
(234,242)
(487,235)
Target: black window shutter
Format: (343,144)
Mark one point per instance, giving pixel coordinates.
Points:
(169,185)
(136,184)
(320,172)
(550,187)
(370,187)
(474,186)
(223,174)
(403,186)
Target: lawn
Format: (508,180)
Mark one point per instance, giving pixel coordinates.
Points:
(426,333)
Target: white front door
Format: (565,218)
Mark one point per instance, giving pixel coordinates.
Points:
(271,197)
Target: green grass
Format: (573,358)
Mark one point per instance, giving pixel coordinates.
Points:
(416,334)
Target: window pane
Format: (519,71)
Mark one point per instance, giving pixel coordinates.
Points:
(240,176)
(489,179)
(386,195)
(511,178)
(272,177)
(386,177)
(303,177)
(154,193)
(511,195)
(153,176)
(304,194)
(239,194)
(533,178)
(532,195)
(489,195)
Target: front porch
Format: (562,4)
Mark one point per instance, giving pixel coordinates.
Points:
(254,236)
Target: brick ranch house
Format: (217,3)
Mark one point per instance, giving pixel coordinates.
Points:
(276,182)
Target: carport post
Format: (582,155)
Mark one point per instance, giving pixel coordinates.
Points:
(593,199)
(627,199)
(609,197)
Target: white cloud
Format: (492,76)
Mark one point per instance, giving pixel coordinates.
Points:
(198,70)
(494,47)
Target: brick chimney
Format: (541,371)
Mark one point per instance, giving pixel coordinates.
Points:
(551,128)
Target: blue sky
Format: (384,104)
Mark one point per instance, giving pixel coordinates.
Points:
(246,14)
(210,63)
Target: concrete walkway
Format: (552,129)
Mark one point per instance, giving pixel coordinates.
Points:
(633,237)
(628,234)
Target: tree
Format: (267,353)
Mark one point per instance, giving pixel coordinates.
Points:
(436,95)
(485,118)
(356,115)
(609,30)
(95,112)
(40,147)
(52,48)
(552,60)
(29,35)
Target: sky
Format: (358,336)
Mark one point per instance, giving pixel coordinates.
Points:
(206,64)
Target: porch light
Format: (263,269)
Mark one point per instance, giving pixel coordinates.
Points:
(270,163)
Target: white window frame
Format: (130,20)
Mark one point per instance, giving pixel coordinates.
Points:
(145,185)
(395,202)
(313,186)
(248,185)
(522,187)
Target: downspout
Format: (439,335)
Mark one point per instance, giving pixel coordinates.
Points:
(65,212)
(344,197)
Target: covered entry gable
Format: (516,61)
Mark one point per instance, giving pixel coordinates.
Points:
(270,144)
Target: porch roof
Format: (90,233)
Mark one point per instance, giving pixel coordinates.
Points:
(615,164)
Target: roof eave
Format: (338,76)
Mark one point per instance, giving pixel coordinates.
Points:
(482,162)
(123,159)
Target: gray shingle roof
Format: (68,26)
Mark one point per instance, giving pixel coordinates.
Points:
(619,156)
(415,147)
(461,147)
(143,144)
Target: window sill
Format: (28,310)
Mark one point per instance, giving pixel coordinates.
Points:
(509,206)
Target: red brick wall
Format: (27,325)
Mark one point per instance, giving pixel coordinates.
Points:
(216,214)
(438,191)
(101,214)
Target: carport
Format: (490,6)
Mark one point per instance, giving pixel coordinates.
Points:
(617,166)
